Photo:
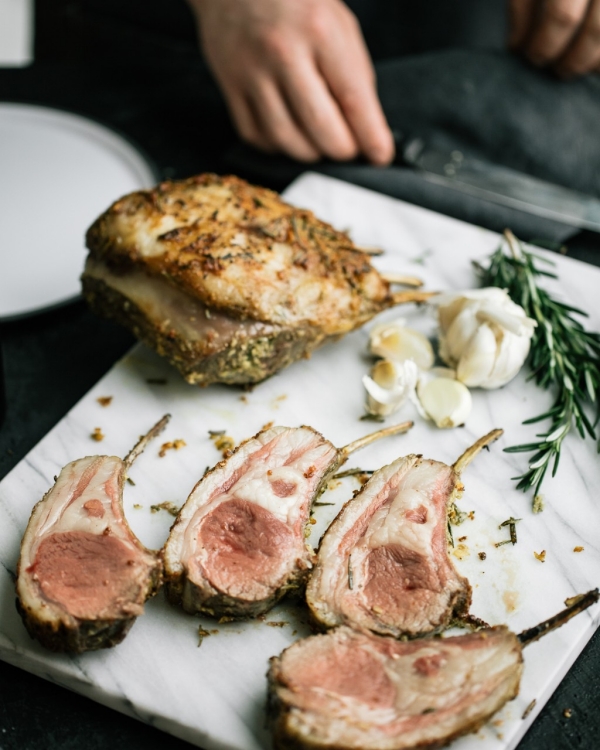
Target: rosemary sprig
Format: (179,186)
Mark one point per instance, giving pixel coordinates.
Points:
(563,356)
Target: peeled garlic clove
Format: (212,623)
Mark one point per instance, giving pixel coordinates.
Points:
(394,341)
(380,402)
(447,402)
(389,386)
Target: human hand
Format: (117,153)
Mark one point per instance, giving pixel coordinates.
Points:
(563,34)
(296,76)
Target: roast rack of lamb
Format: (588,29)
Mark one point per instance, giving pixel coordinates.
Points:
(354,690)
(83,576)
(238,544)
(383,564)
(226,280)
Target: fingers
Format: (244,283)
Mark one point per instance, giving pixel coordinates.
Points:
(277,123)
(583,55)
(554,29)
(296,76)
(244,120)
(353,86)
(521,14)
(317,112)
(563,34)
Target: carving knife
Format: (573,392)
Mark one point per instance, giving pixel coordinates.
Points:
(498,184)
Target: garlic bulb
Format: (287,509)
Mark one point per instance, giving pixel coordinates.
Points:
(390,385)
(394,341)
(444,400)
(484,335)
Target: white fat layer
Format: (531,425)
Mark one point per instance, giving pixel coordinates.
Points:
(294,456)
(331,574)
(60,511)
(168,307)
(390,525)
(258,484)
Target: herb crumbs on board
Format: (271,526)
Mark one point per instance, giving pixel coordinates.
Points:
(202,634)
(174,445)
(168,506)
(512,526)
(578,549)
(541,556)
(97,434)
(104,400)
(529,709)
(222,442)
(481,555)
(130,481)
(137,506)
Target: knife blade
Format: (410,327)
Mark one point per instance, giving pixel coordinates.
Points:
(499,184)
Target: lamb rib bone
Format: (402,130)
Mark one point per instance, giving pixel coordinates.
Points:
(239,544)
(83,576)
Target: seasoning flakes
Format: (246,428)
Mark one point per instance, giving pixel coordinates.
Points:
(171,445)
(97,434)
(170,507)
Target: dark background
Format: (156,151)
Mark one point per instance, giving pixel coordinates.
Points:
(135,66)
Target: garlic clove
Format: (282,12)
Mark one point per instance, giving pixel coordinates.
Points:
(509,315)
(478,357)
(447,402)
(389,386)
(460,331)
(394,341)
(512,352)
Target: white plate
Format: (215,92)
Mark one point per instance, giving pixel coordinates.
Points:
(58,172)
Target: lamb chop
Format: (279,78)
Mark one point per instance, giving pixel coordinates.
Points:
(227,281)
(349,690)
(83,576)
(383,564)
(239,541)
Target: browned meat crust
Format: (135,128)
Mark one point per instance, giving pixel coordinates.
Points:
(278,279)
(88,635)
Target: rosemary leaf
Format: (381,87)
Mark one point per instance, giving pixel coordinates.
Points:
(564,357)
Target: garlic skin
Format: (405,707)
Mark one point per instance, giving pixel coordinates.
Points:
(446,401)
(484,335)
(394,341)
(389,386)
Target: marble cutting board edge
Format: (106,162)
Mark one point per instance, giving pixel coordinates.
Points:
(214,695)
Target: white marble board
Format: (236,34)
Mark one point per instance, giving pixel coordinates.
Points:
(214,695)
